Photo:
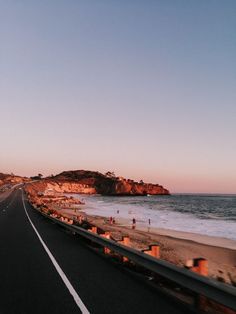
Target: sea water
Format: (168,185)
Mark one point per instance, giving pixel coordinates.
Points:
(213,215)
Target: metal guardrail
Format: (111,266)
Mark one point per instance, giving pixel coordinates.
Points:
(212,289)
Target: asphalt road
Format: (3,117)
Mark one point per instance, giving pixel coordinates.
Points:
(64,275)
(4,195)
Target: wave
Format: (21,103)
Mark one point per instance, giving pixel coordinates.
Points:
(209,215)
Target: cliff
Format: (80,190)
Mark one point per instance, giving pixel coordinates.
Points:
(91,182)
(42,194)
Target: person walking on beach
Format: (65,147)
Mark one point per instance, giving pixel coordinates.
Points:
(133,223)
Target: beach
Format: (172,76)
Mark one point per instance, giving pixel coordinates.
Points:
(210,215)
(175,247)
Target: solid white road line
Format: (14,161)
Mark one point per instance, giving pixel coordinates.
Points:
(66,281)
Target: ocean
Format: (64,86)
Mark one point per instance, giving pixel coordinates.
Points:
(213,215)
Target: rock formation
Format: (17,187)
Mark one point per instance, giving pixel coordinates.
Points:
(91,182)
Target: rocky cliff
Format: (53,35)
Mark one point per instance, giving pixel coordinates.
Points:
(91,182)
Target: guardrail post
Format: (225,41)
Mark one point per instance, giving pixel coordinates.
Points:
(203,266)
(70,221)
(106,235)
(94,229)
(154,250)
(198,265)
(125,241)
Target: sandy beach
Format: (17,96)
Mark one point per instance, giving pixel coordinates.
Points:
(175,247)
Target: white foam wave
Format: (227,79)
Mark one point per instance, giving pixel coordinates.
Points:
(160,218)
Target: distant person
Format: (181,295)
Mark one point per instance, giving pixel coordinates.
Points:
(133,223)
(118,211)
(149,224)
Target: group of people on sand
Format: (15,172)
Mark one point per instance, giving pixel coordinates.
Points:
(112,221)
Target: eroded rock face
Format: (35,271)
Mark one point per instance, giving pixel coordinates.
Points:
(133,188)
(71,187)
(44,194)
(90,182)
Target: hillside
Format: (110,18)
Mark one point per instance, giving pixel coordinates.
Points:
(91,182)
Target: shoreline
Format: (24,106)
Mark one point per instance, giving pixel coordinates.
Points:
(185,225)
(175,234)
(175,247)
(199,238)
(190,236)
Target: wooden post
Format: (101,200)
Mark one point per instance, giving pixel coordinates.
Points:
(94,229)
(154,250)
(125,241)
(198,265)
(203,266)
(106,235)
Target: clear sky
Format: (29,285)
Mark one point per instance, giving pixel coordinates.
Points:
(143,88)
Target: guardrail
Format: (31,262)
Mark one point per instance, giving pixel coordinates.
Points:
(211,289)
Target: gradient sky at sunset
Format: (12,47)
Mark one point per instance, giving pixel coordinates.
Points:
(143,88)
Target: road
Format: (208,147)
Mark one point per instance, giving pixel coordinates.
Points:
(46,270)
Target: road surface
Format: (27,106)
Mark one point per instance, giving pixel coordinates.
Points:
(46,270)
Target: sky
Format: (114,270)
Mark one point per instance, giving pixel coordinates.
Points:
(146,89)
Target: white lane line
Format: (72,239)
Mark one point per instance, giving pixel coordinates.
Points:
(66,281)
